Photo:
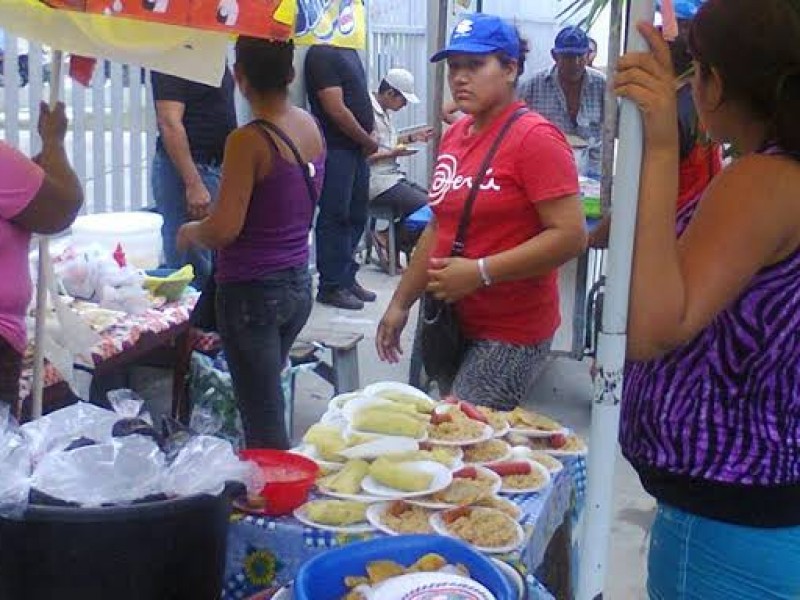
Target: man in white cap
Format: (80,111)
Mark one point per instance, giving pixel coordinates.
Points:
(388,185)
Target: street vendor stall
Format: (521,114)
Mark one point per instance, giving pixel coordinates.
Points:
(482,468)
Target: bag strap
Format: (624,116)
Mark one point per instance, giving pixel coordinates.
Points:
(268,126)
(466,214)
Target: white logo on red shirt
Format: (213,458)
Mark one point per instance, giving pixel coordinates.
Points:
(446,178)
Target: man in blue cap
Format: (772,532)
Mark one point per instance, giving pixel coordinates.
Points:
(570,95)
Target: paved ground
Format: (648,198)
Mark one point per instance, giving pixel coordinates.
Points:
(563,391)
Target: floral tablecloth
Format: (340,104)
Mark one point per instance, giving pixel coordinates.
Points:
(267,553)
(122,335)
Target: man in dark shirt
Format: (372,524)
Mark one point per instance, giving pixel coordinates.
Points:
(193,122)
(339,98)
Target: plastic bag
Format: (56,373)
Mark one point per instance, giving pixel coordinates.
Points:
(122,471)
(55,431)
(205,464)
(15,458)
(214,409)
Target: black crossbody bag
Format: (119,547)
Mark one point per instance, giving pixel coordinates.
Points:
(442,340)
(204,315)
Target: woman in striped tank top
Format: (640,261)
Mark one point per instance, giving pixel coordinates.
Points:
(711,405)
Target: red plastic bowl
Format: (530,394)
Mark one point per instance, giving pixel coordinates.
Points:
(289,478)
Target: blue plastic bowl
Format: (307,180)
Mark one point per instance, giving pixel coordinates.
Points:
(322,578)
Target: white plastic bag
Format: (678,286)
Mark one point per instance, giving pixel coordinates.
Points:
(203,466)
(55,431)
(124,470)
(15,467)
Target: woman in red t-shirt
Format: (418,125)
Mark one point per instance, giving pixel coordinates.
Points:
(526,221)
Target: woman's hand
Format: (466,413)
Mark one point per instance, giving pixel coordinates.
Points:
(387,342)
(186,236)
(648,79)
(450,279)
(53,123)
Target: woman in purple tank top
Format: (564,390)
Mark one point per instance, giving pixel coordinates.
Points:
(711,405)
(271,177)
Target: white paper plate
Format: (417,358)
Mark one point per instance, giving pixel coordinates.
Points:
(374,514)
(567,453)
(439,526)
(510,573)
(433,505)
(498,433)
(537,433)
(441,479)
(387,444)
(503,458)
(416,586)
(523,452)
(488,433)
(538,467)
(365,498)
(301,515)
(310,451)
(376,389)
(519,515)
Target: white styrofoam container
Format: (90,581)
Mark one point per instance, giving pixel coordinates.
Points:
(138,232)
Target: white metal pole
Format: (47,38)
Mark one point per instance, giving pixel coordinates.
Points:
(44,254)
(612,341)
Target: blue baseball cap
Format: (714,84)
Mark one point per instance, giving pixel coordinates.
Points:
(480,33)
(685,9)
(572,41)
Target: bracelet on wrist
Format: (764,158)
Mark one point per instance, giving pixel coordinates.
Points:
(484,271)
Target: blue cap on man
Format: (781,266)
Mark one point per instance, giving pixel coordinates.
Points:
(481,33)
(571,41)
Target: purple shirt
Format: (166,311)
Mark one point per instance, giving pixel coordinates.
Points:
(275,232)
(725,407)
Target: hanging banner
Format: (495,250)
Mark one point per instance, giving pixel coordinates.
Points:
(340,23)
(273,19)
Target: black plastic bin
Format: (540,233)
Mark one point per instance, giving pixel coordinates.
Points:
(166,550)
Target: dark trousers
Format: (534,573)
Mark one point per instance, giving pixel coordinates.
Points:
(342,217)
(10,371)
(258,322)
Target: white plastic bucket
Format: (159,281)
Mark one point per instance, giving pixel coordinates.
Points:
(139,233)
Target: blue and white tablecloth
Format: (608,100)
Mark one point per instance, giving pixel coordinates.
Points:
(266,553)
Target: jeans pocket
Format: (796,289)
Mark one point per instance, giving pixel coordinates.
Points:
(248,307)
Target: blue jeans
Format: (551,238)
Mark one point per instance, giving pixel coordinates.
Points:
(695,558)
(342,217)
(258,322)
(170,196)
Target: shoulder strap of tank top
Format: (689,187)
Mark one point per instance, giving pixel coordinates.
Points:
(267,127)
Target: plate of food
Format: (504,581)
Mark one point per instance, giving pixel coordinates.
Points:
(532,424)
(345,484)
(449,456)
(487,452)
(383,445)
(521,476)
(339,516)
(504,505)
(310,451)
(551,463)
(450,426)
(384,417)
(498,420)
(402,393)
(488,530)
(469,485)
(399,518)
(406,479)
(558,445)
